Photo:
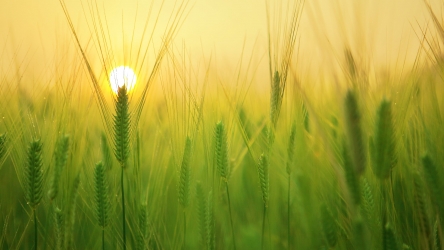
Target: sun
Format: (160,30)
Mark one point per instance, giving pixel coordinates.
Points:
(122,75)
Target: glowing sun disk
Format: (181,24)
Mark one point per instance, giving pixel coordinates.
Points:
(122,75)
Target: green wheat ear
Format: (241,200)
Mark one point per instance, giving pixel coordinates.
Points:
(262,168)
(221,150)
(185,176)
(433,181)
(389,238)
(122,127)
(143,227)
(329,226)
(291,147)
(354,132)
(275,98)
(437,236)
(383,147)
(421,205)
(61,156)
(368,200)
(2,145)
(59,228)
(34,174)
(101,195)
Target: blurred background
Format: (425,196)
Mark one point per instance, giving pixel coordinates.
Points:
(383,35)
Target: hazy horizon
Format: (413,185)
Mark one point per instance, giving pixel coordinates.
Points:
(380,34)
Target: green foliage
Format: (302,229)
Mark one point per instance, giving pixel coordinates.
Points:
(201,210)
(2,145)
(70,217)
(220,137)
(329,226)
(106,152)
(291,148)
(185,175)
(61,156)
(101,194)
(389,238)
(383,149)
(122,127)
(275,98)
(351,177)
(143,228)
(209,223)
(34,174)
(421,205)
(59,228)
(437,236)
(433,181)
(354,132)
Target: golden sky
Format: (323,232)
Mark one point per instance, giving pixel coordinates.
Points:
(381,31)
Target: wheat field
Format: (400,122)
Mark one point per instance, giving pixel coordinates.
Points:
(268,151)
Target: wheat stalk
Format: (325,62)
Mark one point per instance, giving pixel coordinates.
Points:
(34,181)
(101,198)
(121,143)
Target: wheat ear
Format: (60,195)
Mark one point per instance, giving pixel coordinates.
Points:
(121,143)
(101,198)
(184,183)
(384,144)
(34,181)
(354,132)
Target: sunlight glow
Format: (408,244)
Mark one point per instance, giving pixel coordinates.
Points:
(122,75)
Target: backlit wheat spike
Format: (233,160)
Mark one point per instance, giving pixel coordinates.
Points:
(61,157)
(122,127)
(389,238)
(221,150)
(263,177)
(2,145)
(34,174)
(383,147)
(101,194)
(291,148)
(354,132)
(329,226)
(184,180)
(143,228)
(275,98)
